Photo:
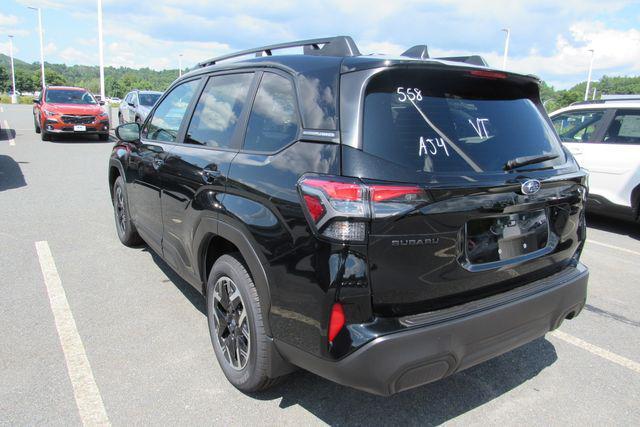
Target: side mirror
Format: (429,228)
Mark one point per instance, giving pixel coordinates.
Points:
(128,132)
(131,104)
(36,101)
(101,102)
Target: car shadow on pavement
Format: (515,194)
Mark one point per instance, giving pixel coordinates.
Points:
(77,139)
(10,174)
(431,404)
(7,134)
(613,225)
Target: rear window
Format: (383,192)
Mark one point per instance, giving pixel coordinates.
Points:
(454,122)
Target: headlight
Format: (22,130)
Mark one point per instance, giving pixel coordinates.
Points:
(50,113)
(103,116)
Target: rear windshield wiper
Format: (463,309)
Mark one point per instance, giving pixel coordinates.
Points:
(528,160)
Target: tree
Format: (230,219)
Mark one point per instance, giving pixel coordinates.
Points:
(52,78)
(24,81)
(5,80)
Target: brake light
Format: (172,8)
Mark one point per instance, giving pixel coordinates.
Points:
(488,74)
(336,321)
(339,208)
(337,190)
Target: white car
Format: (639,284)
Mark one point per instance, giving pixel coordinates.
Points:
(604,137)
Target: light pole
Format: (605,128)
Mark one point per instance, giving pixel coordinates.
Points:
(101,51)
(586,92)
(41,42)
(506,47)
(14,97)
(180,65)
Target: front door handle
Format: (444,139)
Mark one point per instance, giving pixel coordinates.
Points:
(210,175)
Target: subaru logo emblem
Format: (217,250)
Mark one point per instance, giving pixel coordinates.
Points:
(530,186)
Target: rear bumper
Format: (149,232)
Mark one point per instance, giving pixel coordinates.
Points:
(438,344)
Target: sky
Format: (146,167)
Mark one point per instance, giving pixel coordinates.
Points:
(549,38)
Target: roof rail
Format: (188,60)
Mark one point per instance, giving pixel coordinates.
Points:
(605,101)
(332,46)
(471,59)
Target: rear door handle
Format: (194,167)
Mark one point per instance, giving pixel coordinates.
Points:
(210,175)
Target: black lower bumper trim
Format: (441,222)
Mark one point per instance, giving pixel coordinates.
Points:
(423,354)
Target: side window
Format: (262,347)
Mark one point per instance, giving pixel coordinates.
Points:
(218,110)
(625,128)
(134,98)
(165,123)
(127,99)
(577,126)
(274,121)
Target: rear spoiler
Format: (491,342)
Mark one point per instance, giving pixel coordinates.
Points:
(420,51)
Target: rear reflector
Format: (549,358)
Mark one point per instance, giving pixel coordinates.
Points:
(336,321)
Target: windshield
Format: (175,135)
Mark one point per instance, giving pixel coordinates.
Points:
(69,96)
(148,99)
(452,122)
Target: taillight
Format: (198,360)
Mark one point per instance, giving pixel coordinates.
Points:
(336,321)
(340,208)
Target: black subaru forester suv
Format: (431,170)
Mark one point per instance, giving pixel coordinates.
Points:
(380,221)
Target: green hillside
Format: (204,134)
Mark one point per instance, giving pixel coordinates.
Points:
(119,81)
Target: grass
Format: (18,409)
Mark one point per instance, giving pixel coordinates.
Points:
(6,99)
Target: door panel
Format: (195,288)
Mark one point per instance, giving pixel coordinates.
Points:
(148,158)
(145,163)
(198,168)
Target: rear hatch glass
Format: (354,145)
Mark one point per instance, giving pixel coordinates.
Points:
(455,122)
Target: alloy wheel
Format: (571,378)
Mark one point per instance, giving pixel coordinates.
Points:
(121,212)
(231,323)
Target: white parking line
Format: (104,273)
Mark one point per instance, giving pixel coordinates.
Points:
(598,351)
(5,127)
(605,245)
(85,389)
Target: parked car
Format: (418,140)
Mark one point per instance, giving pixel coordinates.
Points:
(380,221)
(69,110)
(136,106)
(604,136)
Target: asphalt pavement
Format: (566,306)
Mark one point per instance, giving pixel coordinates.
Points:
(90,328)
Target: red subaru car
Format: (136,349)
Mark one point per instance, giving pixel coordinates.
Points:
(69,110)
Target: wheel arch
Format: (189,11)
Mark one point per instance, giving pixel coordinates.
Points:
(115,170)
(229,239)
(635,201)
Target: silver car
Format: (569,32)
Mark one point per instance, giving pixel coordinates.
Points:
(136,105)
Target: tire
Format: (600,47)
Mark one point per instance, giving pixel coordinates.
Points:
(120,119)
(35,124)
(125,228)
(248,374)
(103,136)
